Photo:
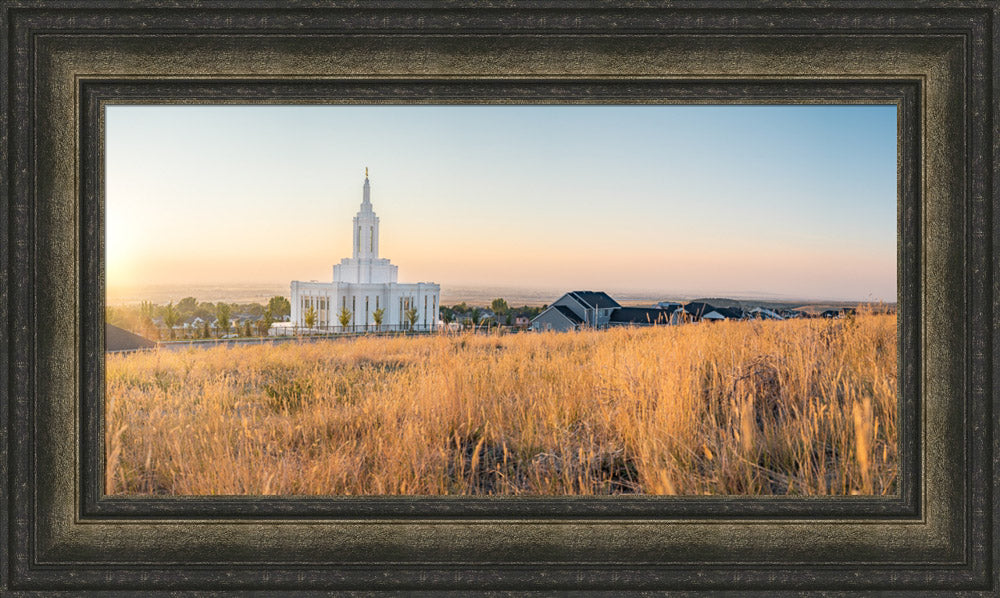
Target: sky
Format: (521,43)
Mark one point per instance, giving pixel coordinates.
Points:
(775,201)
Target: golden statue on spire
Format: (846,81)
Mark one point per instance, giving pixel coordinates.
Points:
(366,172)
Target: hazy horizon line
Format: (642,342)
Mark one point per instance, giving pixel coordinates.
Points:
(121,293)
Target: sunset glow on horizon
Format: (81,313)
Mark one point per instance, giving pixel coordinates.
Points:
(794,201)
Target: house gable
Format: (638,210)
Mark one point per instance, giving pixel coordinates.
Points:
(556,317)
(574,304)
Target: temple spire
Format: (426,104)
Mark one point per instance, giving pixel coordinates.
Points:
(366,226)
(366,201)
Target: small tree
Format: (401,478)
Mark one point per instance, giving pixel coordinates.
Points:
(187,305)
(411,316)
(345,317)
(476,317)
(377,316)
(146,326)
(222,313)
(499,306)
(204,330)
(246,329)
(279,306)
(310,317)
(146,308)
(170,318)
(264,324)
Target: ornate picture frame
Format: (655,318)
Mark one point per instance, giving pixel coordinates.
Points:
(64,62)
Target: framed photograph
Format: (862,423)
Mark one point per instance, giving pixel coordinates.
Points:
(487,379)
(531,297)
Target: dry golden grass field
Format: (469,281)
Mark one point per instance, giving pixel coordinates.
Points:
(793,407)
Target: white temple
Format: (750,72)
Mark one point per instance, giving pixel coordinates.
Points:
(365,283)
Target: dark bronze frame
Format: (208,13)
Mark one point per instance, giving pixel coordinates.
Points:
(63,62)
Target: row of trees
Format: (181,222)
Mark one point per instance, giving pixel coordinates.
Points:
(346,316)
(499,306)
(141,319)
(459,312)
(190,307)
(159,321)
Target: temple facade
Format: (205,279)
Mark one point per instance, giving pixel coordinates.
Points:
(365,284)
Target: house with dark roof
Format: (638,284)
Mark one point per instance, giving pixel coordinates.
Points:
(642,316)
(839,313)
(590,309)
(762,313)
(697,309)
(575,310)
(717,314)
(119,340)
(557,317)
